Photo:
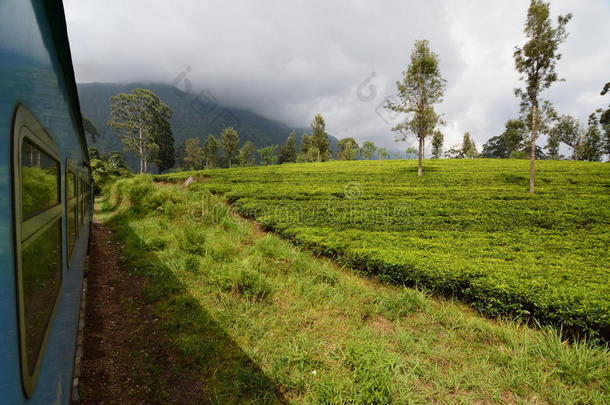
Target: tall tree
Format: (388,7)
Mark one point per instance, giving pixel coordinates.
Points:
(383,153)
(469,148)
(604,120)
(319,137)
(509,143)
(210,149)
(347,149)
(593,143)
(267,154)
(553,142)
(306,143)
(165,158)
(411,152)
(569,131)
(229,139)
(437,144)
(193,154)
(536,62)
(368,149)
(135,116)
(421,87)
(455,152)
(247,154)
(288,151)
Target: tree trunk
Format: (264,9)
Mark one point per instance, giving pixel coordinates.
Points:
(420,170)
(141,149)
(533,137)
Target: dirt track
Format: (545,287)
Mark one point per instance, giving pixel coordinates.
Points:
(124,352)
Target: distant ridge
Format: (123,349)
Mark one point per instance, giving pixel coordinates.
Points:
(194,116)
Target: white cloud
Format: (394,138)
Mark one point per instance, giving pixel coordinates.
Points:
(290,60)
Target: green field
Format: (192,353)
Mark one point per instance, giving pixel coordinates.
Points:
(467,228)
(255,319)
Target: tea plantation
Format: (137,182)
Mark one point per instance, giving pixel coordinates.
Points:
(467,228)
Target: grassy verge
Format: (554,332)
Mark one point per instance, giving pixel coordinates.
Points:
(265,322)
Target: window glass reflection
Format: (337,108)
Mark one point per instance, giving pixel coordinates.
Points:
(39,180)
(71,185)
(41,275)
(71,228)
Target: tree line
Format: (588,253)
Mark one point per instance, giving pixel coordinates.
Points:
(422,87)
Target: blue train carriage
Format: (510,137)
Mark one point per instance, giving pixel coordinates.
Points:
(45,204)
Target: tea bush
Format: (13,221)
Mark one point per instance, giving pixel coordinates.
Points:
(467,228)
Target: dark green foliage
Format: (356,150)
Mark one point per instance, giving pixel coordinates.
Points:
(288,151)
(437,144)
(469,149)
(512,140)
(368,149)
(268,155)
(140,118)
(319,138)
(210,150)
(247,154)
(593,145)
(194,157)
(165,156)
(229,141)
(347,149)
(106,169)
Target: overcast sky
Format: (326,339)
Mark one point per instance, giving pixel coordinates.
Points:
(288,60)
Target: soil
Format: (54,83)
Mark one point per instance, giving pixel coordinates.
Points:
(126,359)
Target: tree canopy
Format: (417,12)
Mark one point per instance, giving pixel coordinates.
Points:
(347,149)
(421,87)
(137,117)
(229,139)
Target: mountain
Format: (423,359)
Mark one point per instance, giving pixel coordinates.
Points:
(194,116)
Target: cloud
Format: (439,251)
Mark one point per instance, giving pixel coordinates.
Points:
(290,60)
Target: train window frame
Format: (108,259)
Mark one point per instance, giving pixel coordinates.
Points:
(81,196)
(71,203)
(27,230)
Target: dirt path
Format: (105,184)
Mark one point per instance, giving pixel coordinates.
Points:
(126,358)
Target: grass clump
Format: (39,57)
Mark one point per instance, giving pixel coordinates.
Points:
(404,303)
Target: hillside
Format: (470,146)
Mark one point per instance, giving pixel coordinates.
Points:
(467,228)
(193,116)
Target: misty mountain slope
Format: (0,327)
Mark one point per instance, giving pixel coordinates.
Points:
(194,116)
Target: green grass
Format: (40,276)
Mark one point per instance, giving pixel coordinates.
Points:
(467,228)
(262,321)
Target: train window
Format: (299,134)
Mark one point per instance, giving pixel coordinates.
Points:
(71,185)
(72,203)
(39,180)
(38,238)
(41,269)
(82,197)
